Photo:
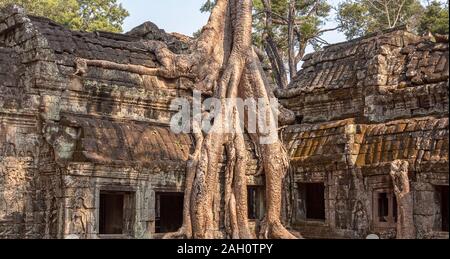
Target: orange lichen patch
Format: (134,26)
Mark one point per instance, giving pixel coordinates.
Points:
(422,139)
(130,142)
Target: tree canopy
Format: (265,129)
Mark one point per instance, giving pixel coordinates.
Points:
(361,17)
(309,19)
(435,19)
(85,15)
(284,28)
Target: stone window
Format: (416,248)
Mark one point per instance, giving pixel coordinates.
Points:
(116,213)
(385,208)
(298,119)
(312,200)
(169,211)
(442,192)
(255,201)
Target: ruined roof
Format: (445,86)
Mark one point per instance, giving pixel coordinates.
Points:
(317,144)
(122,116)
(333,68)
(336,145)
(372,79)
(114,47)
(49,53)
(106,141)
(418,140)
(343,65)
(67,44)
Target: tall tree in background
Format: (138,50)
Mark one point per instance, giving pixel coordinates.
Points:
(361,17)
(284,28)
(435,18)
(85,15)
(223,64)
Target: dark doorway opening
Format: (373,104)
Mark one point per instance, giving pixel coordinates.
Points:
(252,202)
(314,195)
(444,207)
(298,119)
(383,207)
(169,211)
(111,217)
(256,202)
(116,213)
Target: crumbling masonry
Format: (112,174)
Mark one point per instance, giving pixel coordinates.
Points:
(86,151)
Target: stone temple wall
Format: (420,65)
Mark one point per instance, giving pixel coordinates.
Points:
(22,189)
(70,132)
(65,137)
(364,104)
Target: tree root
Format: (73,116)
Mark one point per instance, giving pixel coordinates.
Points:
(223,61)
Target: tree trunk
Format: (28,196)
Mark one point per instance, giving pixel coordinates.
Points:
(291,38)
(271,48)
(405,223)
(224,65)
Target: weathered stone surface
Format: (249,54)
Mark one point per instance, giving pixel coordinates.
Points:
(364,104)
(372,80)
(69,131)
(108,128)
(150,31)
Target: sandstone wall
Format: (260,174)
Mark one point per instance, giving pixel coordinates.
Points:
(375,79)
(65,136)
(364,104)
(69,131)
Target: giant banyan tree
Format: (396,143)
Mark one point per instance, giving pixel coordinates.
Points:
(224,64)
(88,147)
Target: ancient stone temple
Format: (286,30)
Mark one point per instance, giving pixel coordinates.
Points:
(364,107)
(86,150)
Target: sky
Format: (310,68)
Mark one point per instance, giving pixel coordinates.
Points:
(184,16)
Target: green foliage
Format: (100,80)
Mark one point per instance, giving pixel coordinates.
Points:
(353,19)
(85,15)
(311,16)
(435,19)
(208,6)
(361,17)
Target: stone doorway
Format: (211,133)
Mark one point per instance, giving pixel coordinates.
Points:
(115,213)
(313,197)
(256,202)
(384,208)
(169,211)
(443,191)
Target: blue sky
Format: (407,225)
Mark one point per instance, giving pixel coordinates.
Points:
(184,16)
